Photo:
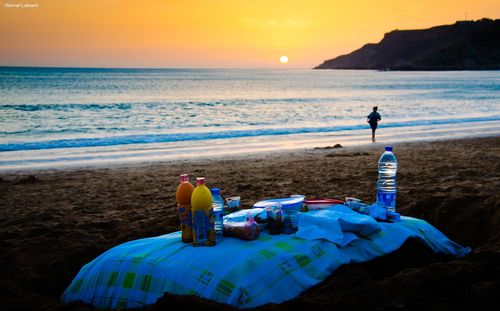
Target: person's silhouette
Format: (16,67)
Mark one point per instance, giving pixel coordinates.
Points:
(373,119)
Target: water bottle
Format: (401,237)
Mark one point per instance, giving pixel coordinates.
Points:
(218,206)
(386,185)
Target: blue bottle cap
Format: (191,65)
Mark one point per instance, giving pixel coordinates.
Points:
(388,148)
(215,191)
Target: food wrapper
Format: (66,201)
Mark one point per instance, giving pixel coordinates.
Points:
(249,230)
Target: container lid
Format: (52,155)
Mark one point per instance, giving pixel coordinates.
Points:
(388,148)
(285,202)
(184,177)
(200,180)
(215,191)
(322,201)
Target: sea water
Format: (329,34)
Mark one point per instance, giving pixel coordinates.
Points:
(55,117)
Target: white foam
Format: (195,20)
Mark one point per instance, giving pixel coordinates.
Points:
(106,156)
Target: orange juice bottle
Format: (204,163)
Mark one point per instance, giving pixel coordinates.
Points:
(203,215)
(183,196)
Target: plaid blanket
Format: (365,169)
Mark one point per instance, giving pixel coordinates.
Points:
(271,269)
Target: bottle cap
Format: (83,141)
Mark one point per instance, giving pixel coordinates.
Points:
(200,180)
(388,148)
(215,191)
(184,178)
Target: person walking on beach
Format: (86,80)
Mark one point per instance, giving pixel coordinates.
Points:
(373,119)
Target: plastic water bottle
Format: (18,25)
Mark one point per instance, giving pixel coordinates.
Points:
(386,185)
(218,206)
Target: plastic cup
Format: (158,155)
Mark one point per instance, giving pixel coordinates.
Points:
(352,203)
(274,218)
(233,203)
(290,220)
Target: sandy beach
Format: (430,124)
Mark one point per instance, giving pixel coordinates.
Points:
(53,222)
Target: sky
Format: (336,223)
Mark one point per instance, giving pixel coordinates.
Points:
(211,33)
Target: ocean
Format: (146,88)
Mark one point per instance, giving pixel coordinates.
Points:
(77,117)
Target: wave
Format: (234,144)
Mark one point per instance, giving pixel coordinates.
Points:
(197,136)
(161,104)
(66,107)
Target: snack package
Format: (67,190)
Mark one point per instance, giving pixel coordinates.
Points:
(249,230)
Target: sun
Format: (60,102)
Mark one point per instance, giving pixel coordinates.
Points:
(283,59)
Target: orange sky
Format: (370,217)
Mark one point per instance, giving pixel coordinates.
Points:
(211,33)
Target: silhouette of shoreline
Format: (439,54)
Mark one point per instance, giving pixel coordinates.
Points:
(465,45)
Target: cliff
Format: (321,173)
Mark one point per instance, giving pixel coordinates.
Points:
(465,45)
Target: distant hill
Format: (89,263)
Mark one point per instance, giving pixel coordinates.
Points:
(465,45)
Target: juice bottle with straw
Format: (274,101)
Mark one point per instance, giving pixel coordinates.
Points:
(183,196)
(203,215)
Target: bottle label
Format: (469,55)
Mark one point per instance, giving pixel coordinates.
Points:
(388,200)
(186,223)
(203,228)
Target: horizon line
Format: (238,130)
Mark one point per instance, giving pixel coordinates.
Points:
(153,68)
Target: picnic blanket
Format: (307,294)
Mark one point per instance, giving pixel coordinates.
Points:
(270,269)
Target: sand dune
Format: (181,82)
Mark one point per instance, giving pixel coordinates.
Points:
(53,222)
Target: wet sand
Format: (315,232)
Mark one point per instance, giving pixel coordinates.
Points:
(53,222)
